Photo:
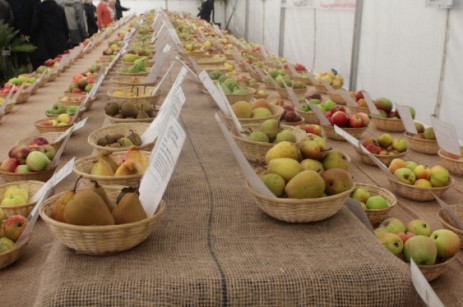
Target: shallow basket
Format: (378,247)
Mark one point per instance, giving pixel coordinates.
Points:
(71,101)
(126,74)
(153,99)
(300,210)
(32,187)
(337,98)
(298,91)
(255,151)
(418,193)
(309,117)
(277,111)
(114,120)
(246,97)
(50,136)
(100,240)
(306,81)
(123,128)
(83,167)
(357,109)
(210,61)
(23,97)
(39,176)
(329,132)
(453,165)
(425,146)
(387,124)
(432,272)
(448,223)
(44,129)
(385,159)
(376,216)
(9,257)
(129,81)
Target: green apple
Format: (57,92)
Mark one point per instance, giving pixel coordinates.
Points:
(399,144)
(380,232)
(6,244)
(439,178)
(393,243)
(393,225)
(411,165)
(421,249)
(13,200)
(405,175)
(423,183)
(361,194)
(429,133)
(385,140)
(48,150)
(422,172)
(419,227)
(37,161)
(376,202)
(447,243)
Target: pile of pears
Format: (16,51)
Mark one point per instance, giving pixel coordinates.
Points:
(230,86)
(306,169)
(259,109)
(271,132)
(137,110)
(133,163)
(138,66)
(91,206)
(119,140)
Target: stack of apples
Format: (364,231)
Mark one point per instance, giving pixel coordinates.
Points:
(62,119)
(81,84)
(270,131)
(339,117)
(34,157)
(418,241)
(331,77)
(10,230)
(259,109)
(385,145)
(368,200)
(423,132)
(15,195)
(409,172)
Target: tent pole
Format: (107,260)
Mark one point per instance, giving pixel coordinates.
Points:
(167,5)
(442,68)
(356,46)
(246,21)
(281,39)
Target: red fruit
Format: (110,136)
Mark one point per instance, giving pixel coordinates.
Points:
(8,85)
(405,236)
(38,141)
(90,80)
(312,128)
(373,149)
(14,226)
(367,142)
(299,67)
(19,152)
(66,51)
(393,114)
(288,107)
(359,95)
(9,165)
(49,62)
(340,118)
(77,90)
(365,118)
(337,108)
(355,121)
(5,90)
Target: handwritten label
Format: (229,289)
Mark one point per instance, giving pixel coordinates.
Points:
(423,288)
(161,82)
(161,165)
(407,120)
(446,135)
(158,65)
(321,117)
(371,105)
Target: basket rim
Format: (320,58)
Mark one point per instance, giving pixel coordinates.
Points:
(437,265)
(270,145)
(411,136)
(400,154)
(17,246)
(2,172)
(441,155)
(344,128)
(36,123)
(252,92)
(16,183)
(384,190)
(447,224)
(452,181)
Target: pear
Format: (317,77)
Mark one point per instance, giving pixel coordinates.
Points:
(285,167)
(128,208)
(135,138)
(86,207)
(100,191)
(285,135)
(242,109)
(129,168)
(261,113)
(128,109)
(102,168)
(270,127)
(57,212)
(310,149)
(275,183)
(112,108)
(135,155)
(335,159)
(314,165)
(337,180)
(258,136)
(108,158)
(283,150)
(125,142)
(306,184)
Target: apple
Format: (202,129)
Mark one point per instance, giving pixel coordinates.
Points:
(437,167)
(359,95)
(14,226)
(380,232)
(429,133)
(400,144)
(38,141)
(439,178)
(376,202)
(423,183)
(313,128)
(384,140)
(405,175)
(37,161)
(421,249)
(393,243)
(48,150)
(6,244)
(373,149)
(337,108)
(411,165)
(393,225)
(9,165)
(361,195)
(419,227)
(405,236)
(355,121)
(340,118)
(365,118)
(419,127)
(13,200)
(396,164)
(447,243)
(20,152)
(21,169)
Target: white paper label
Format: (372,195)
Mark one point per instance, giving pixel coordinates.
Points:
(214,92)
(247,169)
(264,51)
(158,86)
(161,165)
(407,119)
(292,70)
(328,87)
(349,138)
(231,113)
(174,104)
(423,288)
(371,105)
(158,65)
(458,222)
(446,135)
(348,98)
(292,95)
(156,35)
(61,149)
(63,61)
(321,117)
(196,68)
(237,55)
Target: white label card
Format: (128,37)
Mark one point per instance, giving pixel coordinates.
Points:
(292,70)
(31,87)
(407,120)
(247,169)
(311,78)
(63,61)
(264,51)
(156,35)
(446,135)
(423,287)
(154,90)
(275,84)
(214,92)
(16,95)
(371,105)
(161,165)
(321,117)
(349,138)
(348,98)
(292,95)
(196,68)
(158,65)
(378,163)
(458,222)
(231,113)
(328,87)
(61,149)
(174,104)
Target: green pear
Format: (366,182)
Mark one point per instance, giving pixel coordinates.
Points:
(270,127)
(306,184)
(242,109)
(285,135)
(335,159)
(313,165)
(337,180)
(285,167)
(275,183)
(283,150)
(258,136)
(261,113)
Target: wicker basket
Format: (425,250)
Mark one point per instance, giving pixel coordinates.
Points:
(50,136)
(388,124)
(277,111)
(53,76)
(337,98)
(9,257)
(39,176)
(246,97)
(80,95)
(31,186)
(100,240)
(329,132)
(309,117)
(453,165)
(22,97)
(153,99)
(376,216)
(129,81)
(71,101)
(269,85)
(300,210)
(126,74)
(298,91)
(295,124)
(43,129)
(448,223)
(255,151)
(114,120)
(256,76)
(83,167)
(425,146)
(418,193)
(123,128)
(211,61)
(385,159)
(353,109)
(432,272)
(306,81)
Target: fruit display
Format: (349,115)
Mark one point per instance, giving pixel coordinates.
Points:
(138,66)
(14,195)
(270,131)
(143,111)
(313,129)
(81,84)
(280,76)
(354,124)
(134,162)
(384,147)
(331,77)
(120,140)
(26,159)
(230,87)
(290,117)
(255,112)
(11,229)
(376,201)
(135,94)
(59,108)
(416,240)
(59,123)
(424,141)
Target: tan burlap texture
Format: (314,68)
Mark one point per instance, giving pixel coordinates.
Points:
(214,246)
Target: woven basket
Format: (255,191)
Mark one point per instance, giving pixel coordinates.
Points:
(432,272)
(50,136)
(210,61)
(298,91)
(100,240)
(210,68)
(329,132)
(71,101)
(385,159)
(129,81)
(269,85)
(255,151)
(9,257)
(448,223)
(295,124)
(306,81)
(256,76)
(376,216)
(425,146)
(44,129)
(388,124)
(309,117)
(22,97)
(39,176)
(418,193)
(126,74)
(114,120)
(300,210)
(75,95)
(353,109)
(123,128)
(32,187)
(53,76)
(153,99)
(453,165)
(337,98)
(83,167)
(277,111)
(246,97)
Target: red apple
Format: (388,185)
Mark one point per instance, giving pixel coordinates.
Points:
(365,118)
(355,121)
(20,152)
(313,128)
(49,62)
(337,108)
(373,149)
(340,118)
(9,165)
(38,141)
(359,95)
(405,236)
(14,226)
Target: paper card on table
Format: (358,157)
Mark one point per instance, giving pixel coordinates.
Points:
(196,68)
(246,168)
(236,55)
(154,129)
(217,30)
(292,70)
(347,98)
(156,69)
(156,35)
(371,105)
(328,87)
(63,61)
(458,223)
(321,117)
(446,136)
(161,82)
(423,288)
(349,138)
(60,151)
(378,163)
(6,100)
(174,104)
(161,165)
(292,96)
(214,92)
(407,120)
(231,113)
(18,92)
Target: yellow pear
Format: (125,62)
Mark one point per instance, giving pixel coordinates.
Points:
(102,168)
(57,212)
(306,184)
(128,168)
(285,167)
(129,208)
(283,149)
(135,155)
(86,207)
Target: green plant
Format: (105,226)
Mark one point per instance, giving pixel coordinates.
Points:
(11,45)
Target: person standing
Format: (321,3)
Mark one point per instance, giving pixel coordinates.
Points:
(90,13)
(23,11)
(49,31)
(76,19)
(103,14)
(120,9)
(205,10)
(6,13)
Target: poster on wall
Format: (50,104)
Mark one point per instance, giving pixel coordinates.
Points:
(320,4)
